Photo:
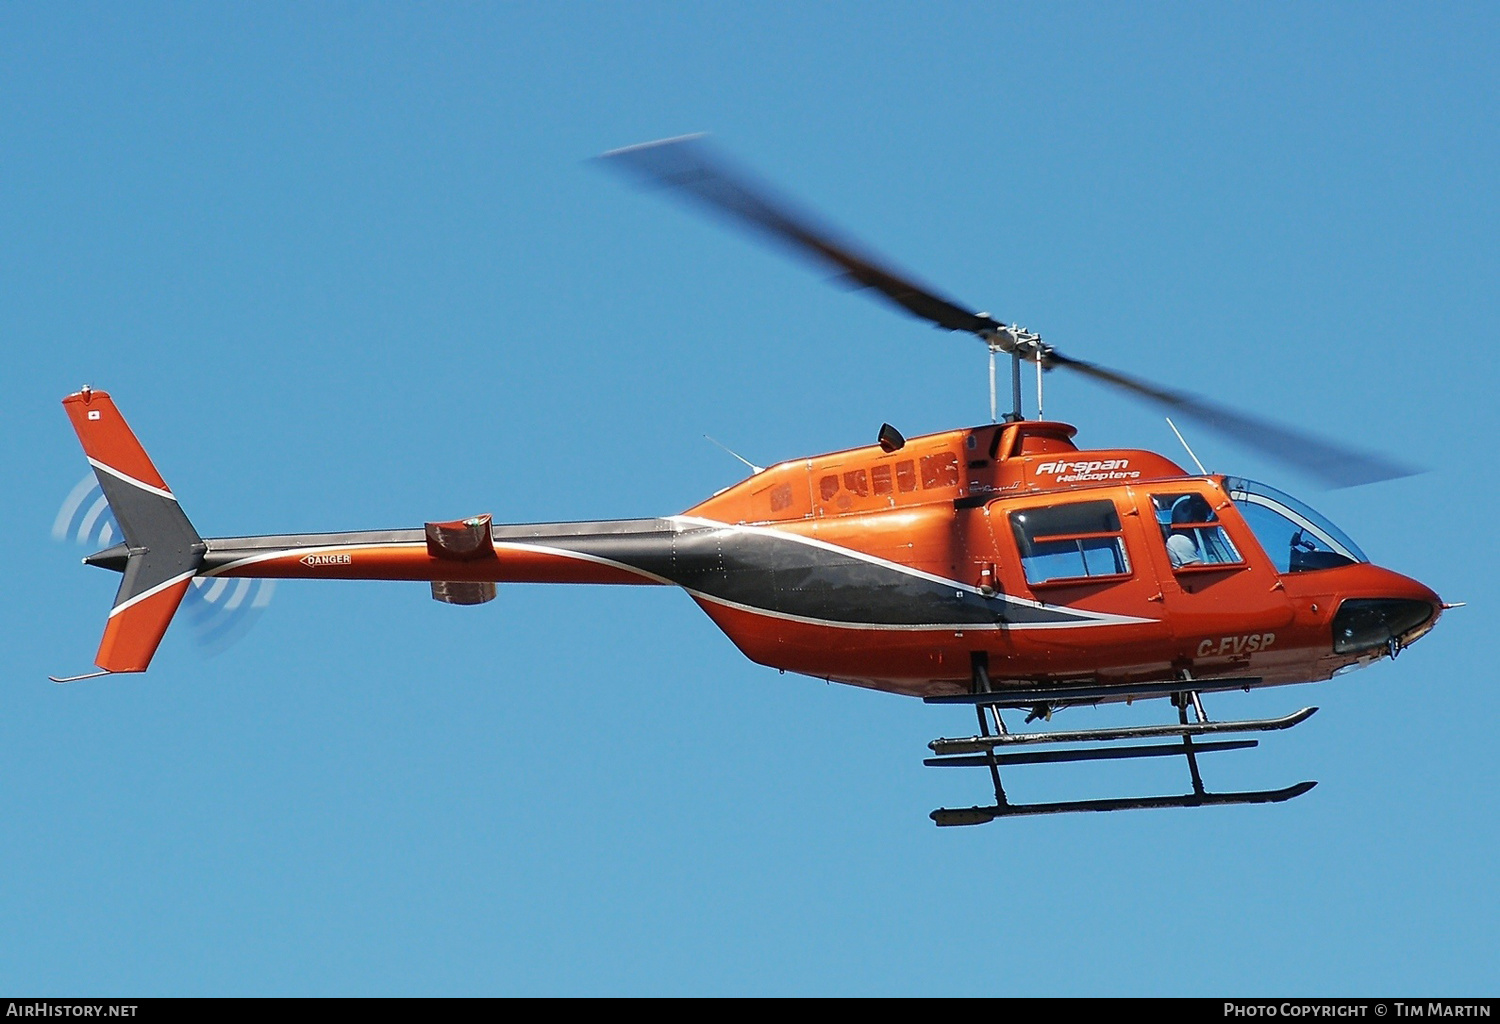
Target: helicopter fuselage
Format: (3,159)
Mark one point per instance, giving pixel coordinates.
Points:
(897,569)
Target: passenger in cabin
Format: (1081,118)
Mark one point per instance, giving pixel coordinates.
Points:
(1182,545)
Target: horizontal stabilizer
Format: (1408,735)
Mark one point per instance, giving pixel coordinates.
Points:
(464,540)
(463,592)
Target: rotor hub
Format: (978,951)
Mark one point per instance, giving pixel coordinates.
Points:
(1016,339)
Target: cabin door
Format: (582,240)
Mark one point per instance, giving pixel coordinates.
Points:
(1225,603)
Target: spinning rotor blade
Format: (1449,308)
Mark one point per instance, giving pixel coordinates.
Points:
(1333,464)
(690,165)
(220,611)
(693,168)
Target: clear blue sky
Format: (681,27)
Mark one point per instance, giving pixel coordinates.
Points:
(346,266)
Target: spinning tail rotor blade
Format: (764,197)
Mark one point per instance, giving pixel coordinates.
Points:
(693,168)
(221,611)
(85,517)
(1332,464)
(218,611)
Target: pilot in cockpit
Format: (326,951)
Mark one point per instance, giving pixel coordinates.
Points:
(1182,544)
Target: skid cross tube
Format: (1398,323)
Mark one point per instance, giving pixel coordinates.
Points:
(1089,754)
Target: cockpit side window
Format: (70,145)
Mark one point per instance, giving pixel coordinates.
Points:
(1192,533)
(1296,538)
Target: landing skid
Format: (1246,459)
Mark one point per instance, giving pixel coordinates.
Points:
(989,750)
(980,815)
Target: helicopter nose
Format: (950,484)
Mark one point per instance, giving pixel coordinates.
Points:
(1406,611)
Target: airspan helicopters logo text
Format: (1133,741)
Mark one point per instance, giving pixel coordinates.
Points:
(1098,469)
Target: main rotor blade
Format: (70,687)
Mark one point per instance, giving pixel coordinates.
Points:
(1333,464)
(693,168)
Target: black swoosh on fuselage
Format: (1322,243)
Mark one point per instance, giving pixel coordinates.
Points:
(775,571)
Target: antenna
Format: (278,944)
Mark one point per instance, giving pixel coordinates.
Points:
(1185,445)
(753,467)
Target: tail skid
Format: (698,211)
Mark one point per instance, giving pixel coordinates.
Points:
(162,550)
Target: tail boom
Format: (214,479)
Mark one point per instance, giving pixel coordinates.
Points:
(539,553)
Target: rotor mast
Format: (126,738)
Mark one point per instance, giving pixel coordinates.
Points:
(1022,345)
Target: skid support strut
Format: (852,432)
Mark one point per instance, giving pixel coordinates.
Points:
(980,663)
(1187,741)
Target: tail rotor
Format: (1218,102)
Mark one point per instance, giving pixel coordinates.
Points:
(219,612)
(85,516)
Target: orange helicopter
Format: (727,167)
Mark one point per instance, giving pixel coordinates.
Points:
(997,566)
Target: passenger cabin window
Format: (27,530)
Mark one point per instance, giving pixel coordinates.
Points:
(939,470)
(1191,531)
(1076,542)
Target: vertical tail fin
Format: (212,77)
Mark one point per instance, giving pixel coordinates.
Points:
(162,550)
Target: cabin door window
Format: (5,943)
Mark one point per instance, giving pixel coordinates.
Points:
(1078,542)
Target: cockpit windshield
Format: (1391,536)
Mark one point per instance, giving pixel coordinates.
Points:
(1295,537)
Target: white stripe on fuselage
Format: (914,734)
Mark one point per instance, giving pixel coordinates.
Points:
(1083,618)
(267,556)
(1101,617)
